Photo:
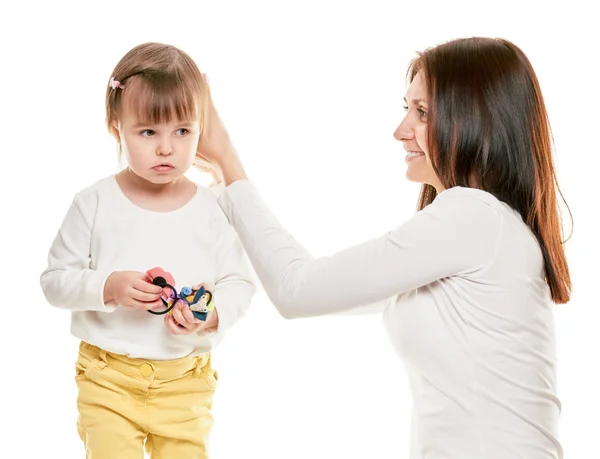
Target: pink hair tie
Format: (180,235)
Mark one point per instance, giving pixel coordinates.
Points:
(115,84)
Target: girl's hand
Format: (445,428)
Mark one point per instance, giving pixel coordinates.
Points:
(181,321)
(132,289)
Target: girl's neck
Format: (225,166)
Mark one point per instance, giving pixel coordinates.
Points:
(156,197)
(132,181)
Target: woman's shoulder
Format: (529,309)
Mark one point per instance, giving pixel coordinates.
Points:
(467,195)
(474,199)
(464,201)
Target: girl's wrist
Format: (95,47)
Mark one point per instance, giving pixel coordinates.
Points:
(212,321)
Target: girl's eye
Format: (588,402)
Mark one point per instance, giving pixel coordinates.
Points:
(182,131)
(147,132)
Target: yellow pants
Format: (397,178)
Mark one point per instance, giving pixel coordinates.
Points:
(124,403)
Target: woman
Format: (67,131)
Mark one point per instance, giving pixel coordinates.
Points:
(471,279)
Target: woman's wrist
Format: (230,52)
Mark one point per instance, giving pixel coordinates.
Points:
(231,167)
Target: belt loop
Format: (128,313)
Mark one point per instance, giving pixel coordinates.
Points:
(101,361)
(202,364)
(198,367)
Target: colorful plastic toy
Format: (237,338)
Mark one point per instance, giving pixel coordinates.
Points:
(199,301)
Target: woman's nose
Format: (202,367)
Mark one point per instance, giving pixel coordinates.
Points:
(404,131)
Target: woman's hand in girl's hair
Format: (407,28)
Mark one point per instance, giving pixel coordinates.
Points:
(132,289)
(215,144)
(181,321)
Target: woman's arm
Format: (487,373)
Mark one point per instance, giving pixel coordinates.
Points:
(453,236)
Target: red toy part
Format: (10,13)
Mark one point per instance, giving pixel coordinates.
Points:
(159,272)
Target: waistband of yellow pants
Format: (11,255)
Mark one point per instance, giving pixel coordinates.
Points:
(160,369)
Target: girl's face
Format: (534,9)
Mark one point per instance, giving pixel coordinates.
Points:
(159,153)
(412,132)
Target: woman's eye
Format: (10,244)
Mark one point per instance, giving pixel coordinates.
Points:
(405,108)
(422,112)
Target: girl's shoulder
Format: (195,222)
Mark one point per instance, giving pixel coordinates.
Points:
(103,185)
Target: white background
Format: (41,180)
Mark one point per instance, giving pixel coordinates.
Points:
(311,92)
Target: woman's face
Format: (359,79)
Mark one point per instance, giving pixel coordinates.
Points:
(412,132)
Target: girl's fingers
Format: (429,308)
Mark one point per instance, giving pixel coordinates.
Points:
(172,326)
(146,287)
(179,318)
(189,317)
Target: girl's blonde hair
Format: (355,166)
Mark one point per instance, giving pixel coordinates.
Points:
(163,83)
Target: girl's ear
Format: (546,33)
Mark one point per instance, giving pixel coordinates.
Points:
(115,131)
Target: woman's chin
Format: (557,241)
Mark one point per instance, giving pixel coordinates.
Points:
(411,176)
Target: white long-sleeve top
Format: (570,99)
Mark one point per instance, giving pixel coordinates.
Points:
(468,310)
(103,231)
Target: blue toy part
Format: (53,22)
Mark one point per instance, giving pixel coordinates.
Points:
(199,294)
(200,315)
(199,301)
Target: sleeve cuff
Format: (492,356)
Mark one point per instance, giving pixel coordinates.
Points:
(97,301)
(233,193)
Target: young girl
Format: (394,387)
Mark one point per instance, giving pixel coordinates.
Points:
(471,279)
(142,376)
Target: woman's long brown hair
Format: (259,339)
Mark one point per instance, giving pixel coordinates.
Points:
(488,128)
